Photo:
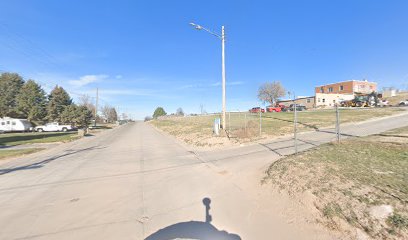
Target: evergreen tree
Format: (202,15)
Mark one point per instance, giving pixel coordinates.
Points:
(31,102)
(159,112)
(83,117)
(79,116)
(57,101)
(10,84)
(68,115)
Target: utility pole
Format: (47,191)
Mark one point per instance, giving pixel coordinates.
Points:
(295,122)
(96,106)
(222,38)
(223,77)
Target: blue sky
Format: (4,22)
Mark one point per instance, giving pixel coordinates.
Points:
(144,54)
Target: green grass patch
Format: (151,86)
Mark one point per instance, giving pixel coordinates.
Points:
(18,152)
(14,139)
(398,221)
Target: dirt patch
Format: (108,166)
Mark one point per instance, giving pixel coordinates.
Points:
(358,186)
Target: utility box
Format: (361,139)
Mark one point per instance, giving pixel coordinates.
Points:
(217,124)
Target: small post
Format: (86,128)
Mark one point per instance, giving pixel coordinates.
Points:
(245,121)
(229,122)
(96,106)
(337,123)
(260,121)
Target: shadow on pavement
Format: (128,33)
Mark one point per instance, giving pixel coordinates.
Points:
(194,229)
(43,162)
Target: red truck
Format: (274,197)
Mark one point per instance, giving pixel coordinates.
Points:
(277,108)
(256,110)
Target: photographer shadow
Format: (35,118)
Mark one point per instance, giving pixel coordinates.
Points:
(194,229)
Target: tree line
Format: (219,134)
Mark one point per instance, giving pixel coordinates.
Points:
(27,100)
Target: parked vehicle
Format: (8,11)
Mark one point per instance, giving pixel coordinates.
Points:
(299,107)
(256,110)
(277,108)
(14,125)
(53,127)
(403,103)
(382,103)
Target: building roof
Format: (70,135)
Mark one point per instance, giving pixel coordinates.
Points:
(366,81)
(302,97)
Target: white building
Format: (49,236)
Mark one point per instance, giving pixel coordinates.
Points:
(330,99)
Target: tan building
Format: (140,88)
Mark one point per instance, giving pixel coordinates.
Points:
(347,87)
(331,99)
(308,102)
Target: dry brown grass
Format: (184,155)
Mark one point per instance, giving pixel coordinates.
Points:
(394,101)
(244,127)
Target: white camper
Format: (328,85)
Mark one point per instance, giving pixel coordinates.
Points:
(14,125)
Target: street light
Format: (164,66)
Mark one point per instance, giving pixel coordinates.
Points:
(222,38)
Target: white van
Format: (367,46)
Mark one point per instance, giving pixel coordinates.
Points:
(8,124)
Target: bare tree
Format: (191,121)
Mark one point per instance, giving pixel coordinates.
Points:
(124,116)
(179,112)
(86,100)
(271,91)
(109,114)
(202,110)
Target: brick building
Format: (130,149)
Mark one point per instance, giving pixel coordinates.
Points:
(348,87)
(331,94)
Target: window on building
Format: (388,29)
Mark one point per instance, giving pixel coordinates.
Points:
(323,100)
(321,90)
(308,100)
(334,101)
(318,100)
(341,87)
(8,122)
(3,123)
(330,89)
(13,123)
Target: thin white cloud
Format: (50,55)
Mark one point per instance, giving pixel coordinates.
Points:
(128,92)
(87,79)
(227,83)
(118,76)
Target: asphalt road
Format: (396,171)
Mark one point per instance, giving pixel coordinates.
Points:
(133,182)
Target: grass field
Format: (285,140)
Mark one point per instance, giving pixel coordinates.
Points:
(354,181)
(198,130)
(397,99)
(18,152)
(14,139)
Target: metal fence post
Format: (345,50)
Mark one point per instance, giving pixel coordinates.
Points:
(260,122)
(337,123)
(295,128)
(245,121)
(229,122)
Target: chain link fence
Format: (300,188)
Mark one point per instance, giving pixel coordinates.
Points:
(327,125)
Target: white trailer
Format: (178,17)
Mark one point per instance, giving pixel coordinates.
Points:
(8,124)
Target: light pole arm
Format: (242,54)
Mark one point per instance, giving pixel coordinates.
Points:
(212,33)
(199,27)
